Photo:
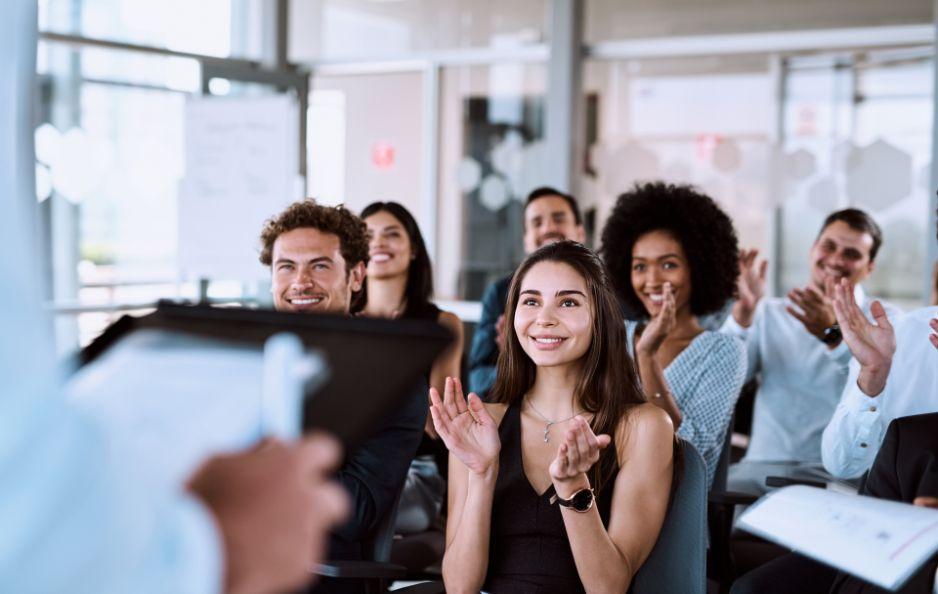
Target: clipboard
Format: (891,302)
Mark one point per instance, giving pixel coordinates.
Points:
(373,364)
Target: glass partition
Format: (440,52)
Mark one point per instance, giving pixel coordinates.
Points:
(223,28)
(702,121)
(857,132)
(349,29)
(611,20)
(492,154)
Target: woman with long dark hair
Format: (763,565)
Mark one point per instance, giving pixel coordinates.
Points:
(399,282)
(561,484)
(399,285)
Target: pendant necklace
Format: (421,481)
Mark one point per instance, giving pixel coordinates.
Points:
(548,421)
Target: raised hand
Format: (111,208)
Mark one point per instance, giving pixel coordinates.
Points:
(578,452)
(872,345)
(817,309)
(468,430)
(750,286)
(660,325)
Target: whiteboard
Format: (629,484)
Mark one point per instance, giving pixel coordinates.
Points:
(241,168)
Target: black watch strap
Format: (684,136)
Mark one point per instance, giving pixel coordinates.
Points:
(581,501)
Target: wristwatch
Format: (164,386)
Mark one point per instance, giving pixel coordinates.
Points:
(832,335)
(581,501)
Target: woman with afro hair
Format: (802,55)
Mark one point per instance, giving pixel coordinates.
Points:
(672,255)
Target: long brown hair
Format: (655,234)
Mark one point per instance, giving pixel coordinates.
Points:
(608,385)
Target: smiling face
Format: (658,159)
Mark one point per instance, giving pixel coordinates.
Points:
(388,246)
(553,319)
(657,258)
(308,273)
(840,251)
(549,219)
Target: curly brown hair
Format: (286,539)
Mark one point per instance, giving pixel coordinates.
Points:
(338,220)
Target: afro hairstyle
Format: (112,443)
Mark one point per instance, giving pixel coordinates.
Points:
(704,231)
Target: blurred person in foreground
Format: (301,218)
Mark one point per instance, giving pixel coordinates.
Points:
(77,515)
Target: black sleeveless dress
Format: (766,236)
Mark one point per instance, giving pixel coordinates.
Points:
(529,552)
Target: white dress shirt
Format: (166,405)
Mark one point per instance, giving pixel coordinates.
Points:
(75,514)
(801,382)
(855,432)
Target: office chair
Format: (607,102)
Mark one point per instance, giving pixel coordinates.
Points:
(721,506)
(374,571)
(678,561)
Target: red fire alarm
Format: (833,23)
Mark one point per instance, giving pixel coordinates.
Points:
(382,155)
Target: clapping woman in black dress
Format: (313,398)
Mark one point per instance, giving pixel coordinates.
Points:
(562,483)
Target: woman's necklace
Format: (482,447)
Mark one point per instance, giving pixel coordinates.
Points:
(548,421)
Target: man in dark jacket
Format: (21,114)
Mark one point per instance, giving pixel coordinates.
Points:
(317,257)
(549,216)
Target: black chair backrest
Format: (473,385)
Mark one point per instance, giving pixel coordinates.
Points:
(377,545)
(678,561)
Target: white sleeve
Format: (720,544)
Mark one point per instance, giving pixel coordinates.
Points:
(853,435)
(750,338)
(840,355)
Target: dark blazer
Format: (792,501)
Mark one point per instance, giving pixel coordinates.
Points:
(483,355)
(905,468)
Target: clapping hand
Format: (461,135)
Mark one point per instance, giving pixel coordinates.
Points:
(817,309)
(750,286)
(578,452)
(468,430)
(660,325)
(873,345)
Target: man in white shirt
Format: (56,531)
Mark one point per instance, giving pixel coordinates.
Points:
(796,347)
(894,374)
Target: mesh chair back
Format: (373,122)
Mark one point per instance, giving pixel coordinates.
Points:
(723,463)
(678,561)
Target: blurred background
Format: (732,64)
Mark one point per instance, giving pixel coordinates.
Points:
(167,132)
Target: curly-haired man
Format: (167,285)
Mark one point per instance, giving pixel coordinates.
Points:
(317,256)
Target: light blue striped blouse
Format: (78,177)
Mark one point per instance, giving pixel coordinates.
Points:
(705,379)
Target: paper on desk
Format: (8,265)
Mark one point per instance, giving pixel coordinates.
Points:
(169,400)
(883,542)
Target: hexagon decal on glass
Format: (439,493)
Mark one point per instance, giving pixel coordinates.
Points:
(878,176)
(627,164)
(799,165)
(822,195)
